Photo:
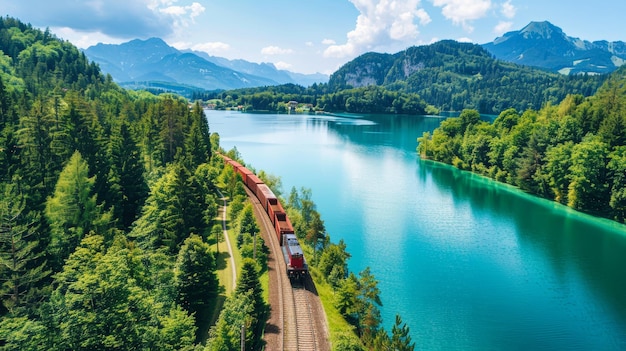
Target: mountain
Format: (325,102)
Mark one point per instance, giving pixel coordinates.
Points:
(543,44)
(453,76)
(140,63)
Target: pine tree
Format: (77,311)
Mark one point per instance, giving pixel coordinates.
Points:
(127,186)
(195,277)
(249,283)
(20,265)
(198,140)
(400,338)
(72,208)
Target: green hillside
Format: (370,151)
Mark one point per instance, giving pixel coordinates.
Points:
(453,76)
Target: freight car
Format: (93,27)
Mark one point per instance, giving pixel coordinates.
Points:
(296,266)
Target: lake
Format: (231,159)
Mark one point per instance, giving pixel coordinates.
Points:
(468,263)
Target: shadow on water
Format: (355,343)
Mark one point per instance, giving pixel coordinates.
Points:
(595,248)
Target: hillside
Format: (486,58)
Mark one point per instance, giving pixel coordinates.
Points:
(542,44)
(453,76)
(573,153)
(141,63)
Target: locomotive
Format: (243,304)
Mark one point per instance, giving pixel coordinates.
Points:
(296,266)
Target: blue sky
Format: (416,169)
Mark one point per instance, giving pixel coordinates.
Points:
(311,36)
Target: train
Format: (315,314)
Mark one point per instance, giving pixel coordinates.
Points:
(296,266)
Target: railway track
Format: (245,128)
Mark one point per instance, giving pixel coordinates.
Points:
(296,318)
(305,326)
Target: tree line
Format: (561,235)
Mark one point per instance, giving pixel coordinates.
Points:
(573,152)
(444,76)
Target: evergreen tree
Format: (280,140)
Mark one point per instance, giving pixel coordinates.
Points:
(248,283)
(20,266)
(127,186)
(238,311)
(198,140)
(71,210)
(617,170)
(195,277)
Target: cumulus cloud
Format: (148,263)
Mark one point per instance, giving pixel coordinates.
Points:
(462,12)
(275,50)
(111,18)
(508,10)
(380,23)
(329,42)
(283,65)
(502,27)
(213,48)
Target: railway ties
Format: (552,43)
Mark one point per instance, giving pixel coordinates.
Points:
(307,340)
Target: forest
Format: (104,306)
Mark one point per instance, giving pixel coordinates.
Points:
(108,229)
(446,76)
(573,152)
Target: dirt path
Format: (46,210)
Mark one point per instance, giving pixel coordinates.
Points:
(225,233)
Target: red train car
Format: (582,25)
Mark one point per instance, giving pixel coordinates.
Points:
(252,182)
(242,170)
(294,257)
(273,210)
(282,226)
(266,196)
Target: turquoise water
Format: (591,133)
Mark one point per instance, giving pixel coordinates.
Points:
(467,263)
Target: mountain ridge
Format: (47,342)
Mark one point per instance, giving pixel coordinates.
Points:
(143,62)
(542,44)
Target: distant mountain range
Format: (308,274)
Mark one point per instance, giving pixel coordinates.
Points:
(151,62)
(542,44)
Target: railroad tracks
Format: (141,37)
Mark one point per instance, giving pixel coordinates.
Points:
(295,311)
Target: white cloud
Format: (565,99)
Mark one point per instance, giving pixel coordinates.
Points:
(381,23)
(502,27)
(84,40)
(283,65)
(275,50)
(508,10)
(464,11)
(329,42)
(309,43)
(182,16)
(216,47)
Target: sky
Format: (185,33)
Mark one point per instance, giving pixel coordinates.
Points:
(310,36)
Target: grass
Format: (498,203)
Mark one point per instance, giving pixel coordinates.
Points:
(338,327)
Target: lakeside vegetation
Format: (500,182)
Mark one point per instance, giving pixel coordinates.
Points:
(573,152)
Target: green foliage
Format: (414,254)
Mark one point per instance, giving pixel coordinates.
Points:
(570,152)
(251,304)
(72,208)
(195,276)
(99,305)
(453,76)
(76,156)
(238,311)
(21,268)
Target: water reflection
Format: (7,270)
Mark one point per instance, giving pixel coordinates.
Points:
(570,242)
